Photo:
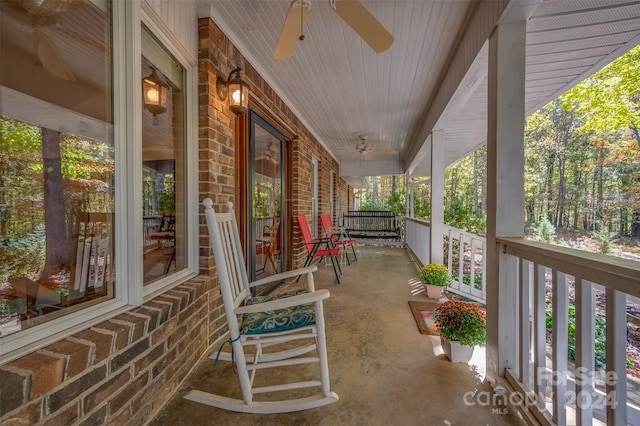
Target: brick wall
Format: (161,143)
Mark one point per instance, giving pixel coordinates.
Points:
(126,368)
(120,371)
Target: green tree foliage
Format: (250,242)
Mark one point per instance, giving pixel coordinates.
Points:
(85,171)
(600,335)
(544,230)
(582,155)
(609,100)
(464,200)
(385,193)
(582,164)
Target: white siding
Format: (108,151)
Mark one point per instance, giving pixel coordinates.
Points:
(180,19)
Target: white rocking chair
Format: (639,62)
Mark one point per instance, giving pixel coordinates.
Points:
(260,323)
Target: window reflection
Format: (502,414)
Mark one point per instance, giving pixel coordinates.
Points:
(56,161)
(163,181)
(267,207)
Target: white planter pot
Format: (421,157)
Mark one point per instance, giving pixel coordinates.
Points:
(455,351)
(434,291)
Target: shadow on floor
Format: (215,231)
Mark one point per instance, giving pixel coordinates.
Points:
(384,371)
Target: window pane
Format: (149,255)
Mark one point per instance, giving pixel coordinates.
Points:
(163,154)
(56,160)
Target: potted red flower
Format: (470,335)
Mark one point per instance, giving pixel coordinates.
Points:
(462,326)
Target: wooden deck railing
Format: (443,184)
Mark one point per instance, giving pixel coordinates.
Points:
(581,295)
(464,255)
(465,258)
(580,287)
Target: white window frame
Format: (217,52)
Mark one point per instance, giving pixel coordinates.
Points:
(127,18)
(141,293)
(332,180)
(315,195)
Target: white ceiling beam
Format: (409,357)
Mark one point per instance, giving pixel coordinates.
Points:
(484,18)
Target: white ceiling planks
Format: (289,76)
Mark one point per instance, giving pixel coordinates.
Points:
(341,89)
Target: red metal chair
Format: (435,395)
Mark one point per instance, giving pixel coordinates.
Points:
(269,247)
(319,248)
(340,239)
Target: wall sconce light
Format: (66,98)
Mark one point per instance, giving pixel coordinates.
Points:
(239,89)
(154,91)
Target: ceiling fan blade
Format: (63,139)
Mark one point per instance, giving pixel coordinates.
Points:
(384,151)
(52,7)
(291,30)
(364,23)
(52,59)
(367,155)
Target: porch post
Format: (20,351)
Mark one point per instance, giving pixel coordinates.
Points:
(437,197)
(505,190)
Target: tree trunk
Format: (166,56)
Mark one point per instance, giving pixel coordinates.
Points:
(635,225)
(636,132)
(560,213)
(374,192)
(549,185)
(599,208)
(57,247)
(453,186)
(476,203)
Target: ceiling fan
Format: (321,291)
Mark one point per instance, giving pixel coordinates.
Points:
(351,11)
(31,16)
(365,149)
(269,154)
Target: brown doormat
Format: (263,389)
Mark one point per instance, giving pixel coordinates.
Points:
(424,317)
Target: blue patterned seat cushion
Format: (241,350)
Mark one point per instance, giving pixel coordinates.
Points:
(270,297)
(278,320)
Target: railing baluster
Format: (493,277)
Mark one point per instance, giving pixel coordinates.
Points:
(525,334)
(447,232)
(461,260)
(585,359)
(473,289)
(484,268)
(560,315)
(616,397)
(619,279)
(539,331)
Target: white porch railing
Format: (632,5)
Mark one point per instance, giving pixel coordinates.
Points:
(417,235)
(464,256)
(582,289)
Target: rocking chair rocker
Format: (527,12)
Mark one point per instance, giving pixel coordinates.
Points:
(264,323)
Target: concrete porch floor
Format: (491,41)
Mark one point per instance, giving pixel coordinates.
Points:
(384,371)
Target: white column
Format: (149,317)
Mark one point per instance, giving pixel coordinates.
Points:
(409,199)
(437,197)
(505,189)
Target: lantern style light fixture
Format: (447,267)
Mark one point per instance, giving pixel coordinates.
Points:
(154,91)
(239,90)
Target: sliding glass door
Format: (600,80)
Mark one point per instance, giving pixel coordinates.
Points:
(266,193)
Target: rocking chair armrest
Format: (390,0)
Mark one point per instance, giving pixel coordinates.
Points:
(301,299)
(284,275)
